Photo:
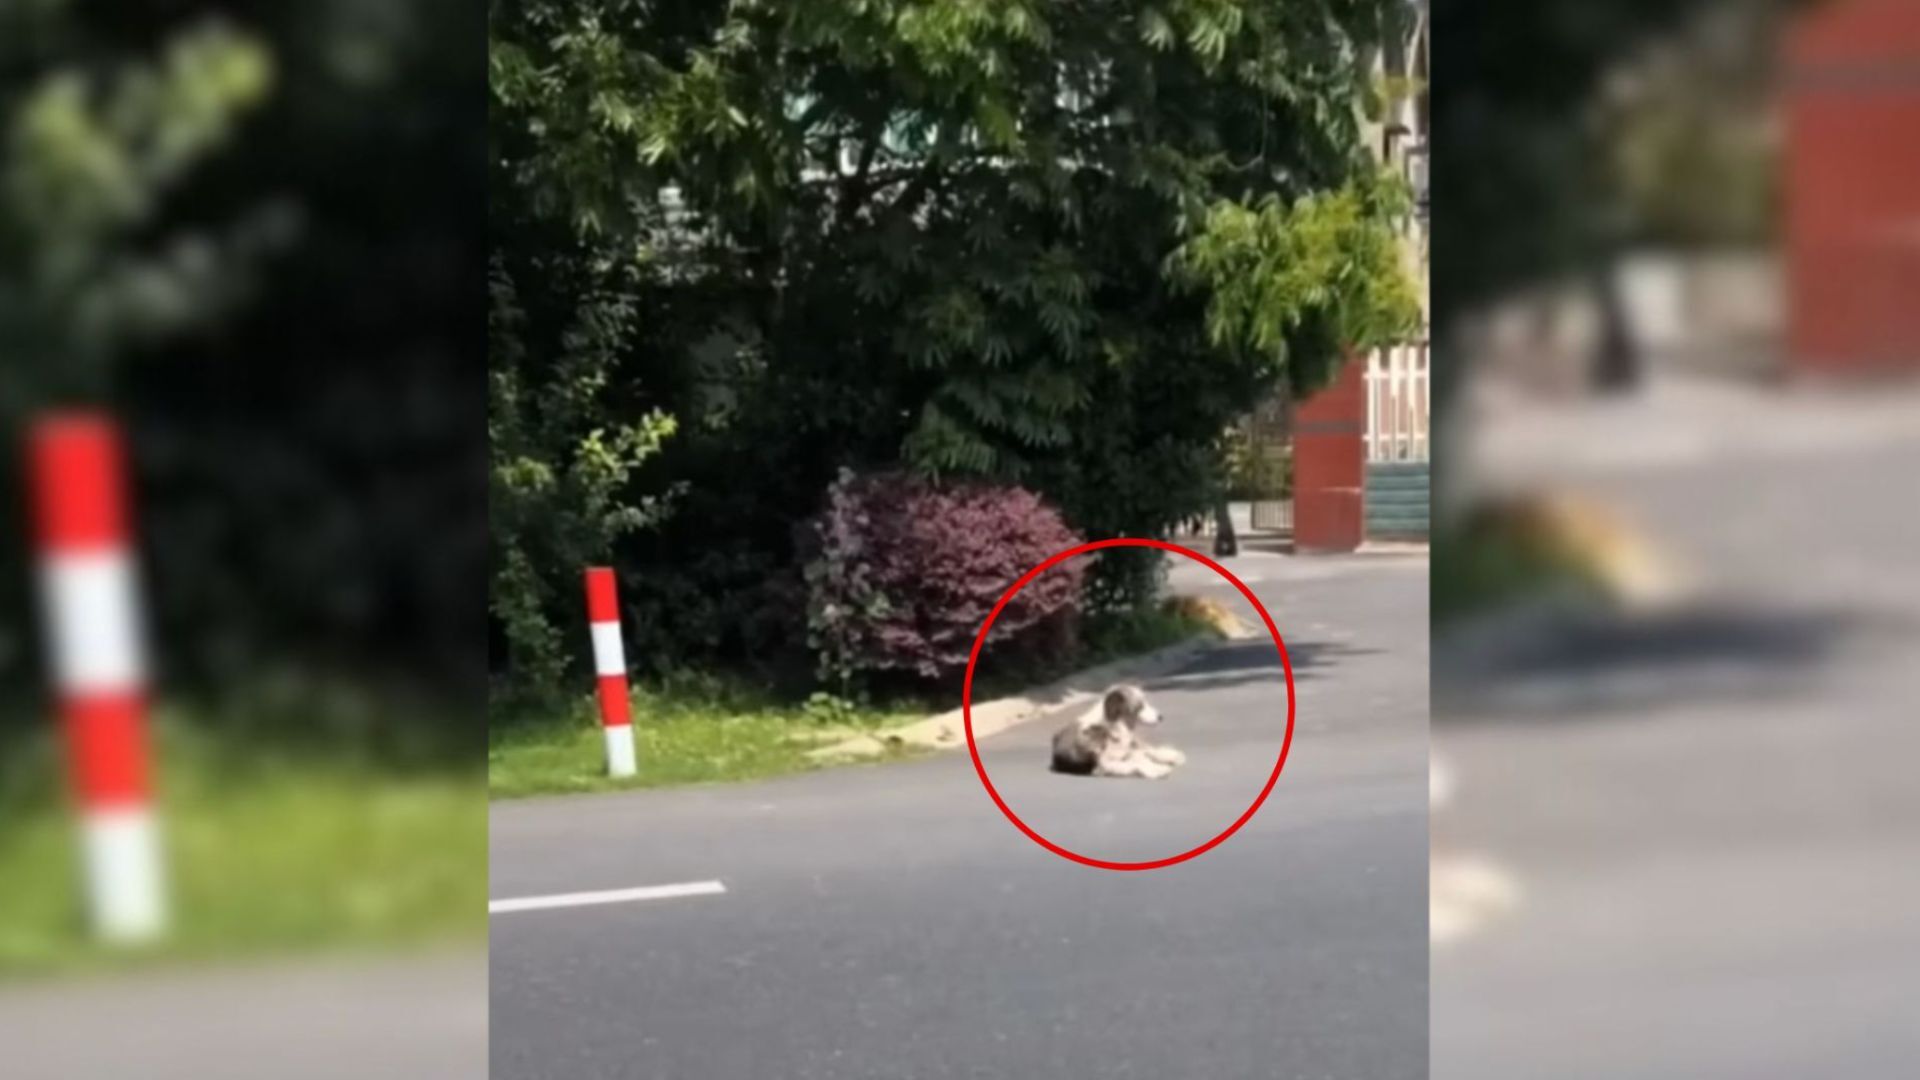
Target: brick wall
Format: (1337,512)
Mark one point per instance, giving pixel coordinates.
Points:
(1329,465)
(1852,186)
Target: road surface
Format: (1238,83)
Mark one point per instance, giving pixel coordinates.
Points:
(1710,811)
(888,922)
(372,1018)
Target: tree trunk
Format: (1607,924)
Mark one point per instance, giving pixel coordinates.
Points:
(1616,362)
(1224,541)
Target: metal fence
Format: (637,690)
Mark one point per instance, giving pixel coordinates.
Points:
(1398,398)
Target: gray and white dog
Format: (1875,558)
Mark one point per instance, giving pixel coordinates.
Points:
(1104,740)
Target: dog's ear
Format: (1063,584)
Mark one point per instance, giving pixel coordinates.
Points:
(1118,707)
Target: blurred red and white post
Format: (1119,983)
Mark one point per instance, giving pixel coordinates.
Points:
(99,670)
(610,665)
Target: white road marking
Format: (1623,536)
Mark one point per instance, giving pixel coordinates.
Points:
(609,896)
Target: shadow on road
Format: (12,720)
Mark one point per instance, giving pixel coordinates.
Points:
(1617,664)
(1256,661)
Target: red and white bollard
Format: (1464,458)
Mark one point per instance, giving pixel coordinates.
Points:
(98,657)
(610,665)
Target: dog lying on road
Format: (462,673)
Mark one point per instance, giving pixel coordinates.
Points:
(1104,741)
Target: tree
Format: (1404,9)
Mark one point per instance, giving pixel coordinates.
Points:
(1544,173)
(560,470)
(254,236)
(569,259)
(1054,244)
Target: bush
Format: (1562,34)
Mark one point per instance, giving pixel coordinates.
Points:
(1142,630)
(1255,473)
(728,607)
(902,572)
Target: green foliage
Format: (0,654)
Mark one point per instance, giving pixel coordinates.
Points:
(691,728)
(90,265)
(264,854)
(1525,103)
(1331,259)
(1689,154)
(254,239)
(560,470)
(1475,572)
(569,433)
(1004,241)
(830,710)
(1255,473)
(567,95)
(1140,631)
(89,158)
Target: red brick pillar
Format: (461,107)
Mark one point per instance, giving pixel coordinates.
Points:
(1329,464)
(1852,186)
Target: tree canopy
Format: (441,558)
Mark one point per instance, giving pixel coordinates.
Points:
(1542,168)
(1056,244)
(253,231)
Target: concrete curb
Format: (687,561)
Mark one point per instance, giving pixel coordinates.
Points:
(947,731)
(1395,547)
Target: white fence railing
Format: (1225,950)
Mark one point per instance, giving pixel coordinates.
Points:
(1398,395)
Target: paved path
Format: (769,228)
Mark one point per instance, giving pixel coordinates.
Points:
(887,922)
(1712,813)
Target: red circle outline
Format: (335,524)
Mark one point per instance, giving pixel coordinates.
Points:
(966,704)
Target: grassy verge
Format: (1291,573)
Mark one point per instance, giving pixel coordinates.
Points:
(688,729)
(1535,548)
(262,855)
(691,729)
(1473,574)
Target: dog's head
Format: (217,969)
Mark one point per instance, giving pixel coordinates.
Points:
(1128,705)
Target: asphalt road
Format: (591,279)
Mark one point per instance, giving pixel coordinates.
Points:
(888,922)
(1710,811)
(372,1018)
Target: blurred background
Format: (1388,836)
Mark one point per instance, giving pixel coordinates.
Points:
(1676,578)
(252,233)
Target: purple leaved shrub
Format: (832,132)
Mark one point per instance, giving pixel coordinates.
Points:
(901,572)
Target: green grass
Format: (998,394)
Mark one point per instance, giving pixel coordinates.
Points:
(692,729)
(265,853)
(1475,573)
(688,729)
